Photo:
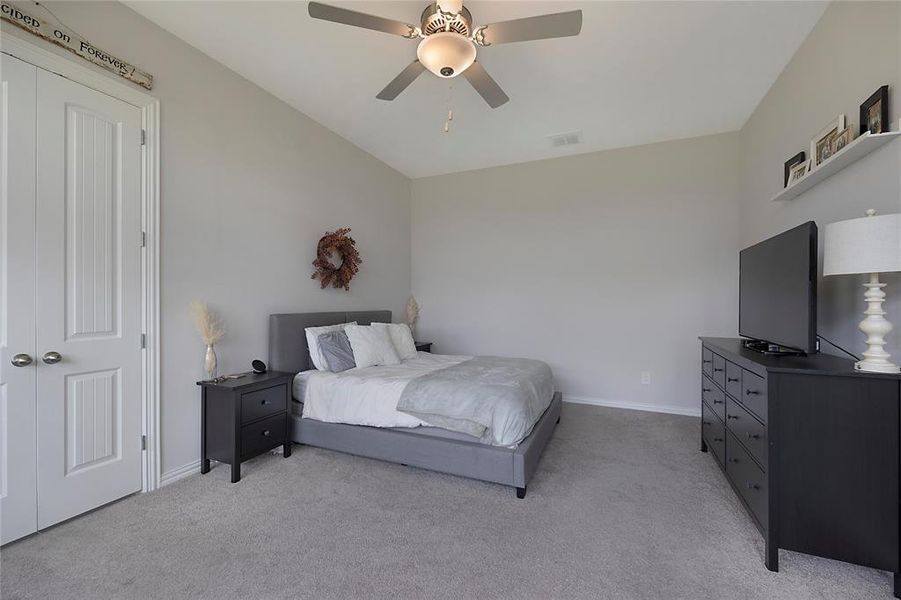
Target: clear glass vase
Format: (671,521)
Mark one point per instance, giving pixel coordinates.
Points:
(210,362)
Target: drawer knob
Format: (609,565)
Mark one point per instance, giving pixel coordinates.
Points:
(717,439)
(753,436)
(705,390)
(266,432)
(718,401)
(732,379)
(708,423)
(751,392)
(752,486)
(733,460)
(264,402)
(706,362)
(718,370)
(735,417)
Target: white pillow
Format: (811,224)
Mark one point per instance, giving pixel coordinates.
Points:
(401,338)
(313,334)
(372,346)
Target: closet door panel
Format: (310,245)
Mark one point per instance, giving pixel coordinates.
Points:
(18,469)
(89,299)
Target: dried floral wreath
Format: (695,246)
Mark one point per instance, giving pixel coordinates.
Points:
(336,243)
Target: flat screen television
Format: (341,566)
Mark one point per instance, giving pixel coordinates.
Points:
(777,304)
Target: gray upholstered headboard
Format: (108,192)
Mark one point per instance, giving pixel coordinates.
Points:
(288,343)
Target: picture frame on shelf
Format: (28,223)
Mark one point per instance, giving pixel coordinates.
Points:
(842,139)
(798,172)
(821,144)
(874,113)
(791,164)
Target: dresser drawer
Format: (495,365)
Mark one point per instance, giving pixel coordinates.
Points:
(719,370)
(263,402)
(748,430)
(714,397)
(263,435)
(707,362)
(753,394)
(733,379)
(714,433)
(748,478)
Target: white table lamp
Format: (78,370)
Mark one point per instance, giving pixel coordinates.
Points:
(872,245)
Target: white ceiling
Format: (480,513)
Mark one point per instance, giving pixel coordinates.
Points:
(640,72)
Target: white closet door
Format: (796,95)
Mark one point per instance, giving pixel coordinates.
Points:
(18,471)
(88,298)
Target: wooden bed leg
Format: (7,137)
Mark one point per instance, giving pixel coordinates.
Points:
(521,492)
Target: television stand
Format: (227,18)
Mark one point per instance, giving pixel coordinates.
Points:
(812,449)
(769,349)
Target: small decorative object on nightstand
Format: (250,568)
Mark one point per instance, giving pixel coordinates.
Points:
(423,346)
(241,418)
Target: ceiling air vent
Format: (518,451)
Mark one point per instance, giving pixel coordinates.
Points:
(565,139)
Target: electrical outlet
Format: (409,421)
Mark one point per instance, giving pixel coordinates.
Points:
(646,378)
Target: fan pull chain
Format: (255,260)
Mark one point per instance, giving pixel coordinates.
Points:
(450,111)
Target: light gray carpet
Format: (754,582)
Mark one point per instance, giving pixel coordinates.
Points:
(623,506)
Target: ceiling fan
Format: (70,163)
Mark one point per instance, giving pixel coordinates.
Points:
(449,41)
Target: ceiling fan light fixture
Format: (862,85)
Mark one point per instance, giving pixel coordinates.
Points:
(446,54)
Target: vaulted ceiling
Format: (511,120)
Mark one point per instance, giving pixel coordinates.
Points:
(640,72)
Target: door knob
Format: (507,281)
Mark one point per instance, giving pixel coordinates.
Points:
(21,360)
(51,358)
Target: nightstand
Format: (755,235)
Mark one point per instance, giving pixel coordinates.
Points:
(423,346)
(241,418)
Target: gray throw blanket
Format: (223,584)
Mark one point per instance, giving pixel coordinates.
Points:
(497,400)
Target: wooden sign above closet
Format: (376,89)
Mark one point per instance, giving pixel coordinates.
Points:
(68,39)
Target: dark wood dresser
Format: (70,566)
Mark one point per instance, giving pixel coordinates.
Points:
(242,418)
(811,448)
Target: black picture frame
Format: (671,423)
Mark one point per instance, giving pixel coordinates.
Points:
(792,162)
(880,97)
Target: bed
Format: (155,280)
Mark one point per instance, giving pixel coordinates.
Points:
(426,447)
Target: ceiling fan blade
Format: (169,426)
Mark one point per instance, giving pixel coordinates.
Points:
(357,19)
(542,27)
(400,83)
(485,85)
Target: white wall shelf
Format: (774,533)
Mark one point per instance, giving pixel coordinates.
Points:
(851,153)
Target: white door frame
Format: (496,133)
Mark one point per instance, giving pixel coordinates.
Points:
(150,200)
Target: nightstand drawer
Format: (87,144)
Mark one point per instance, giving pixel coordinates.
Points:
(263,435)
(263,402)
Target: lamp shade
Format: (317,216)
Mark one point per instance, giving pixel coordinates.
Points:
(871,244)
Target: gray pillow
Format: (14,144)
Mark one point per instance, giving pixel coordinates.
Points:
(335,348)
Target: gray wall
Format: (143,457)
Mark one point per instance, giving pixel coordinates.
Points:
(852,51)
(604,265)
(248,187)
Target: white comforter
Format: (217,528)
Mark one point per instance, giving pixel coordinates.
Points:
(366,396)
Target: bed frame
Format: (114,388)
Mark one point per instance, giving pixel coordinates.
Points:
(508,466)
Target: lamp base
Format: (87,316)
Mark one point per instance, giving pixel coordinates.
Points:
(870,367)
(876,326)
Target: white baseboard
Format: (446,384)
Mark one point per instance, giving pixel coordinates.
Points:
(180,473)
(657,408)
